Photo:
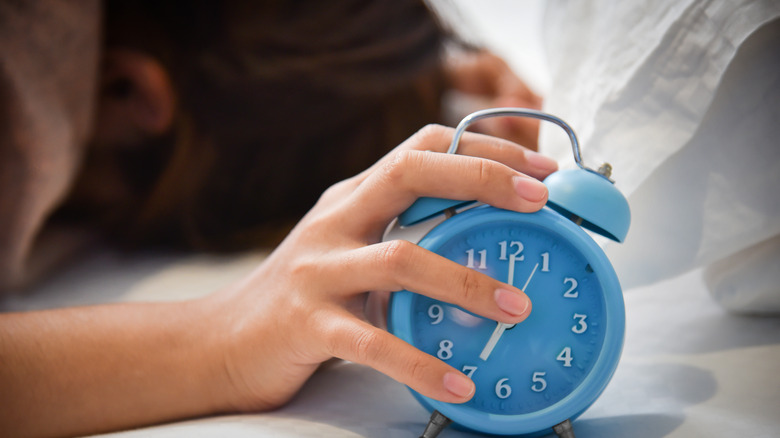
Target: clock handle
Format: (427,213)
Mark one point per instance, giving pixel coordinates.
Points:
(518,112)
(426,208)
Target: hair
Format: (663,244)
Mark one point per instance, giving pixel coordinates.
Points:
(277,100)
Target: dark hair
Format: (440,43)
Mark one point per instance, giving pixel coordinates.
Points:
(277,101)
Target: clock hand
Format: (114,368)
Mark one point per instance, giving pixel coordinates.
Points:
(501,327)
(491,343)
(533,271)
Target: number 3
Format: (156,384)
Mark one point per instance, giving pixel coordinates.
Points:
(581,324)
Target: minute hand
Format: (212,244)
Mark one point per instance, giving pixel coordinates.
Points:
(501,327)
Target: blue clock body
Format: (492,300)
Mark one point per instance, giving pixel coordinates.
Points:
(546,369)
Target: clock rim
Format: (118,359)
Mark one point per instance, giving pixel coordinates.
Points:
(591,387)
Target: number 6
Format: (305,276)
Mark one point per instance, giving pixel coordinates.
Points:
(503,390)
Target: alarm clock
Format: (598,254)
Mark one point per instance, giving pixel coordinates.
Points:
(538,375)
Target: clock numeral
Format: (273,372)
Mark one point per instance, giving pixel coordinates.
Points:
(545,262)
(517,254)
(503,390)
(436,313)
(482,259)
(572,291)
(468,370)
(565,357)
(581,325)
(539,383)
(445,350)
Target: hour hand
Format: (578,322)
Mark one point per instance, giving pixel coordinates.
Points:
(491,343)
(501,327)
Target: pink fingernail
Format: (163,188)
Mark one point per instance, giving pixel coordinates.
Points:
(459,385)
(529,188)
(541,162)
(511,302)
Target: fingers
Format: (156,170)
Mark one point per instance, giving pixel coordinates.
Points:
(499,148)
(359,342)
(398,265)
(438,138)
(413,174)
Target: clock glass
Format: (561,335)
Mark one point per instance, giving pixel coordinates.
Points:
(539,364)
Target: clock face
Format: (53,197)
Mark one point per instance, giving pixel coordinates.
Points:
(515,369)
(536,365)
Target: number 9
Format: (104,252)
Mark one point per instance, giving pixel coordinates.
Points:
(436,313)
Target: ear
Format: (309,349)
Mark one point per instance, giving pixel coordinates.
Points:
(136,99)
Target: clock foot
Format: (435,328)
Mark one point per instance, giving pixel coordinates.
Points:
(564,429)
(436,424)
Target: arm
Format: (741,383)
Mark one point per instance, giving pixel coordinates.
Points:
(252,345)
(82,370)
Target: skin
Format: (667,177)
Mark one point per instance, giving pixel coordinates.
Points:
(252,345)
(483,74)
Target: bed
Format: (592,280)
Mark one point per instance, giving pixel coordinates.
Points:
(689,368)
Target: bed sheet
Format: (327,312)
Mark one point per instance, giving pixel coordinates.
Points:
(689,369)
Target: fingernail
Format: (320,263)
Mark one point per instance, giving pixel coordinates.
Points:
(511,302)
(529,188)
(459,385)
(541,162)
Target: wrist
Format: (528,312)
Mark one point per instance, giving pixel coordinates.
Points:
(208,334)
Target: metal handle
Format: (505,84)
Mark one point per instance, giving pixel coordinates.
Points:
(517,112)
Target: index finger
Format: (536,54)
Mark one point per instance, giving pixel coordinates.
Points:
(437,138)
(390,190)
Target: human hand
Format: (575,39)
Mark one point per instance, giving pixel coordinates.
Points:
(305,303)
(490,83)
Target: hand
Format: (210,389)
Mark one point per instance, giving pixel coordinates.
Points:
(305,303)
(490,83)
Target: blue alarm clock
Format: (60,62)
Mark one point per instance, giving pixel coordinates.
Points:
(538,375)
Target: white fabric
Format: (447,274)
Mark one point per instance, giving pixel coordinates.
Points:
(688,368)
(682,98)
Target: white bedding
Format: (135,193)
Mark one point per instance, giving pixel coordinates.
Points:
(689,369)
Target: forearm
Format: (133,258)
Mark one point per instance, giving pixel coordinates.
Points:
(83,370)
